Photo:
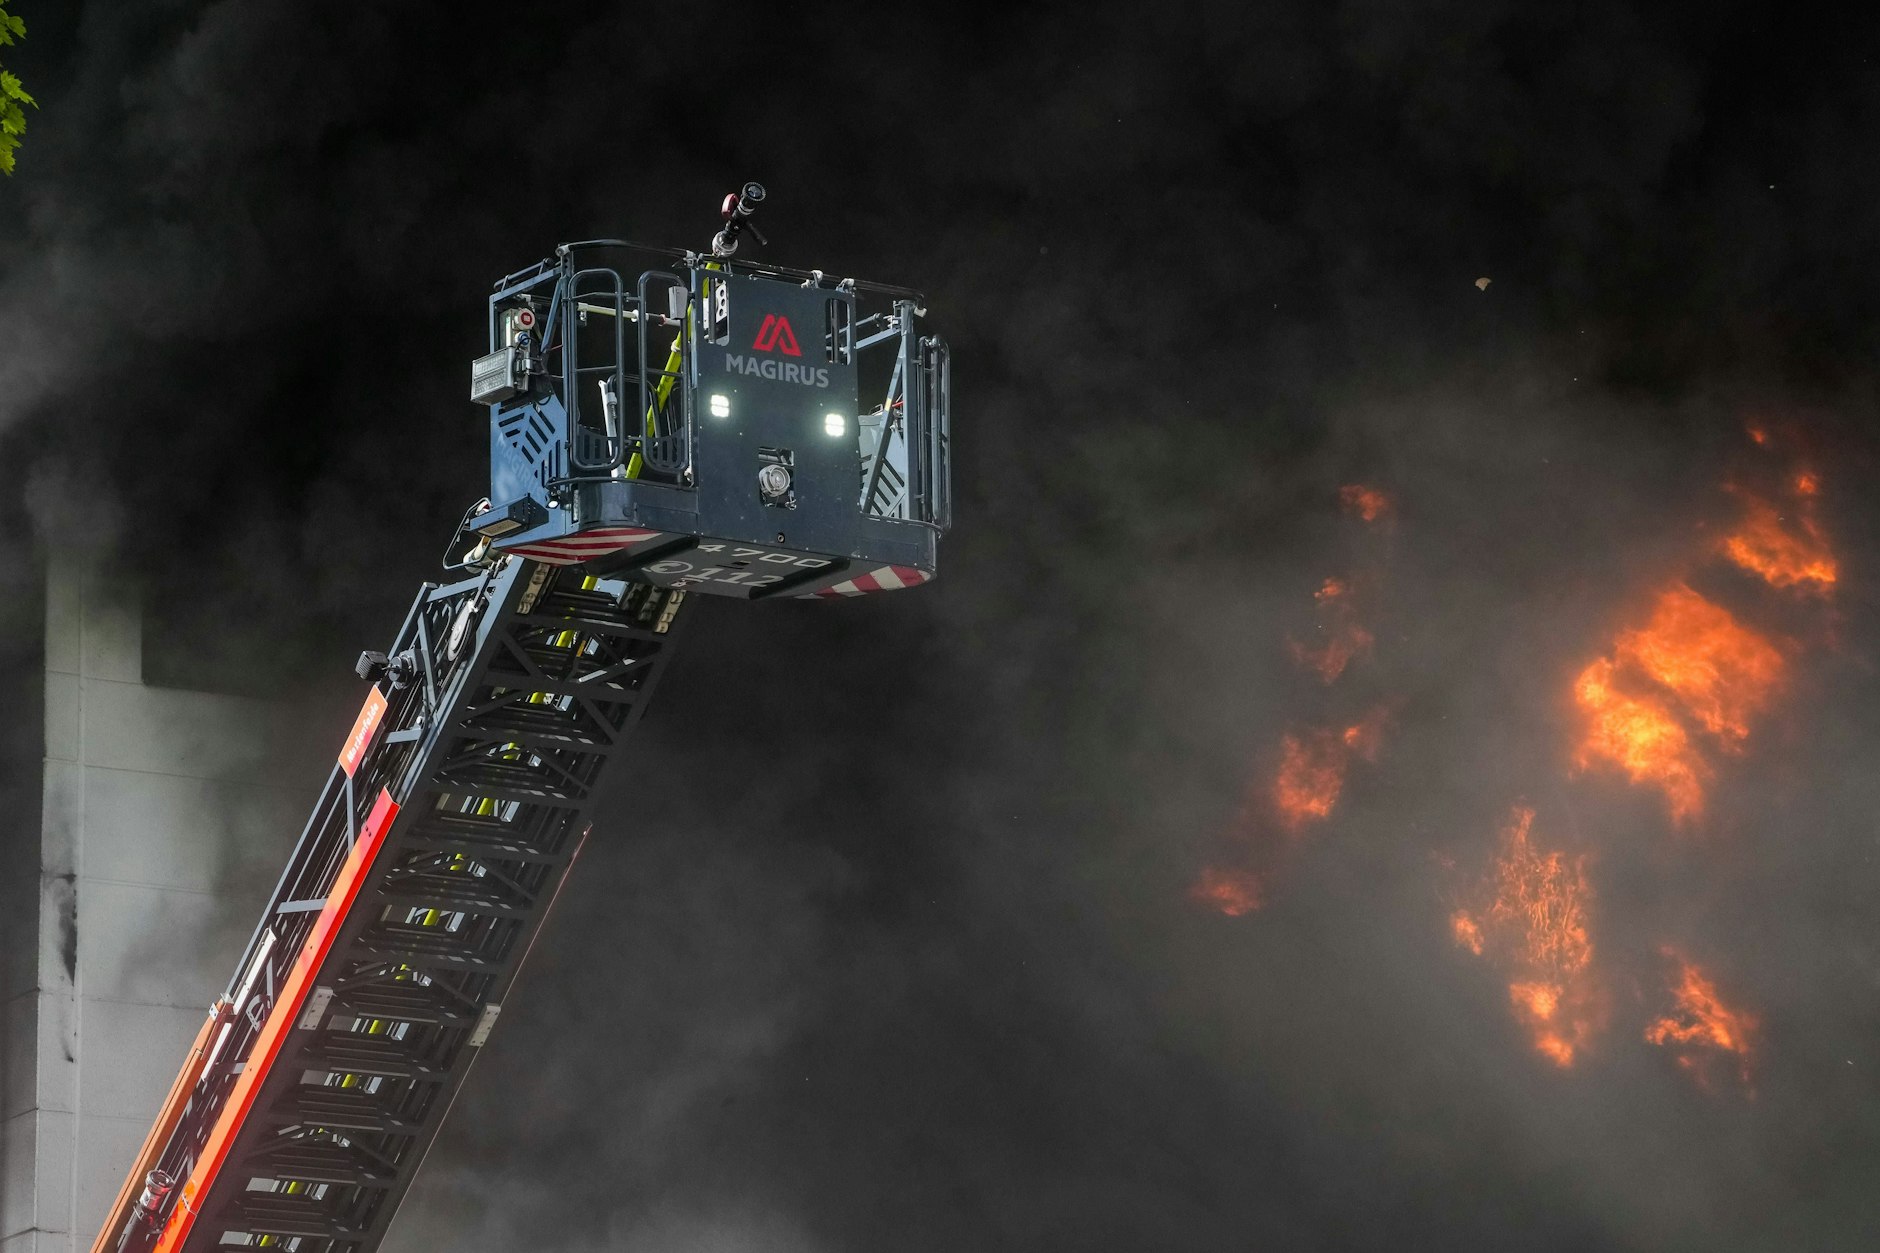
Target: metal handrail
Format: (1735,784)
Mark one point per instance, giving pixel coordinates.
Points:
(694,259)
(657,442)
(655,449)
(568,293)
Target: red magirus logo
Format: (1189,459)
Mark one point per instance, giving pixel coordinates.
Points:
(775,335)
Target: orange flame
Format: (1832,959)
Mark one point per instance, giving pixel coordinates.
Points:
(1312,768)
(1537,923)
(1780,551)
(1368,503)
(1232,892)
(1545,896)
(1365,736)
(1721,670)
(1311,775)
(1701,1027)
(1641,737)
(1346,639)
(1701,661)
(1663,704)
(1537,1007)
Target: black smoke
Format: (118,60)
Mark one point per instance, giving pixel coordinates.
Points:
(885,941)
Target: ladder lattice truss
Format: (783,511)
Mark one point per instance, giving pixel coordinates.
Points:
(418,885)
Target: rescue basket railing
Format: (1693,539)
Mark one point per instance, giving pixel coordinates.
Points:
(627,397)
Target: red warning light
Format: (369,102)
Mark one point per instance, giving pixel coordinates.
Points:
(775,335)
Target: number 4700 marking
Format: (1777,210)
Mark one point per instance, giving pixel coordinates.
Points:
(771,558)
(741,556)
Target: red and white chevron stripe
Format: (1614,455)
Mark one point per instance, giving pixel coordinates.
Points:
(571,550)
(885,579)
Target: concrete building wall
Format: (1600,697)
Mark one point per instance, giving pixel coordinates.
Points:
(162,824)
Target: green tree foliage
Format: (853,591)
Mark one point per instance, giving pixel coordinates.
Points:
(12,95)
